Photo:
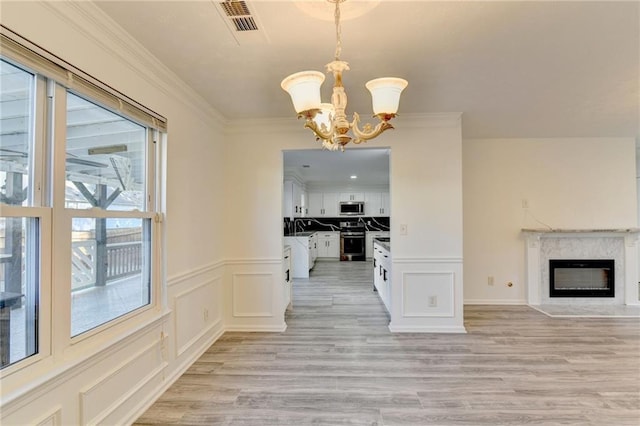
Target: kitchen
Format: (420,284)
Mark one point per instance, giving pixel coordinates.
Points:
(335,207)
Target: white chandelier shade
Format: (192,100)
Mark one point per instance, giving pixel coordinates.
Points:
(385,94)
(304,89)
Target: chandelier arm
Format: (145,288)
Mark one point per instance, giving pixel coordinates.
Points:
(313,126)
(367,132)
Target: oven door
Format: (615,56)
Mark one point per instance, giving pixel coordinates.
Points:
(352,246)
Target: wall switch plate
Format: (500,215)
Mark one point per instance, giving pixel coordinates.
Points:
(490,280)
(525,203)
(403,229)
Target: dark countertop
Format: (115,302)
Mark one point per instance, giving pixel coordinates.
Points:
(384,242)
(302,234)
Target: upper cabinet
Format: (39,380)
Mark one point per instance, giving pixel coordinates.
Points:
(292,200)
(376,204)
(323,204)
(352,196)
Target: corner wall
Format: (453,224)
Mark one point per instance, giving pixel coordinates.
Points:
(112,376)
(426,195)
(566,183)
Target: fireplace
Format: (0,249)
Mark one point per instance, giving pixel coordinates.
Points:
(581,278)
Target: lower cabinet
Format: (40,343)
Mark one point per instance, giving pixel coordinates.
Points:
(369,241)
(287,289)
(329,245)
(382,274)
(303,249)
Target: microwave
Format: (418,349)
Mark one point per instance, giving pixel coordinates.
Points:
(352,208)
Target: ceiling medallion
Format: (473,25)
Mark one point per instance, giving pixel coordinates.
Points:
(328,120)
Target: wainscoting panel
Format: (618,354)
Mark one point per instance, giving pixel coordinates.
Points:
(254,298)
(197,310)
(51,419)
(106,394)
(252,294)
(428,294)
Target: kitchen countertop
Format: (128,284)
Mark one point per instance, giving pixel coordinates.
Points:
(384,242)
(302,234)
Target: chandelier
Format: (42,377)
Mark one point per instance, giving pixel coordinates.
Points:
(328,120)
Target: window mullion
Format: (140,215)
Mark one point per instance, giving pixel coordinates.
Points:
(61,235)
(38,163)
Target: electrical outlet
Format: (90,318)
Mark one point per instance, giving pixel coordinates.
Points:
(206,314)
(525,203)
(490,280)
(403,229)
(433,301)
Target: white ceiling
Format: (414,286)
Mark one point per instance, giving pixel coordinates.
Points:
(329,168)
(514,69)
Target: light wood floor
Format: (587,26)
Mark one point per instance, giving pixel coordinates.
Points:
(337,364)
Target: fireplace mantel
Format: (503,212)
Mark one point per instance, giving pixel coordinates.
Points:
(598,231)
(579,240)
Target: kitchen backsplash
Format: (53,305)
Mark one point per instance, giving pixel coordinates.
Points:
(303,224)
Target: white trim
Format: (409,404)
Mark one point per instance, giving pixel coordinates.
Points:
(426,259)
(42,384)
(53,417)
(213,282)
(258,328)
(86,391)
(184,276)
(89,19)
(427,329)
(495,302)
(259,261)
(171,379)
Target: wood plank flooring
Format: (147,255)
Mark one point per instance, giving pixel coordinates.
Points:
(338,364)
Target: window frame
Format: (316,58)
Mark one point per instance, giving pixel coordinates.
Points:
(53,77)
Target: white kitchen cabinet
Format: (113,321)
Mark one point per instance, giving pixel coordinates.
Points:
(329,244)
(323,204)
(303,254)
(370,235)
(313,242)
(287,289)
(376,204)
(292,199)
(382,274)
(351,196)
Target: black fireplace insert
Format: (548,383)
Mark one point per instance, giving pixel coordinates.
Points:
(581,278)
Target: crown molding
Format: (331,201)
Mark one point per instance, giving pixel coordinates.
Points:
(95,25)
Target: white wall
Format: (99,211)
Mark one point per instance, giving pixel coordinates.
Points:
(111,376)
(426,195)
(567,183)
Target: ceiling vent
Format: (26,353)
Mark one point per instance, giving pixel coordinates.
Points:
(242,23)
(238,12)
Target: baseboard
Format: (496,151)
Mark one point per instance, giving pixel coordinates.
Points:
(422,329)
(172,378)
(258,328)
(495,302)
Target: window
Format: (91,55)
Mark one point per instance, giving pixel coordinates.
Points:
(19,222)
(78,190)
(105,190)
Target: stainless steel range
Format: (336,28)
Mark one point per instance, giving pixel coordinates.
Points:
(352,241)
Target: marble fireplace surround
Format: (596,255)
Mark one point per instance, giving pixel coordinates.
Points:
(618,244)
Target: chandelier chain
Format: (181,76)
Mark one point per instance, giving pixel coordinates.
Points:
(336,15)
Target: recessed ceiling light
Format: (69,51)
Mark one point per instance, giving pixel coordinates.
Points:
(354,177)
